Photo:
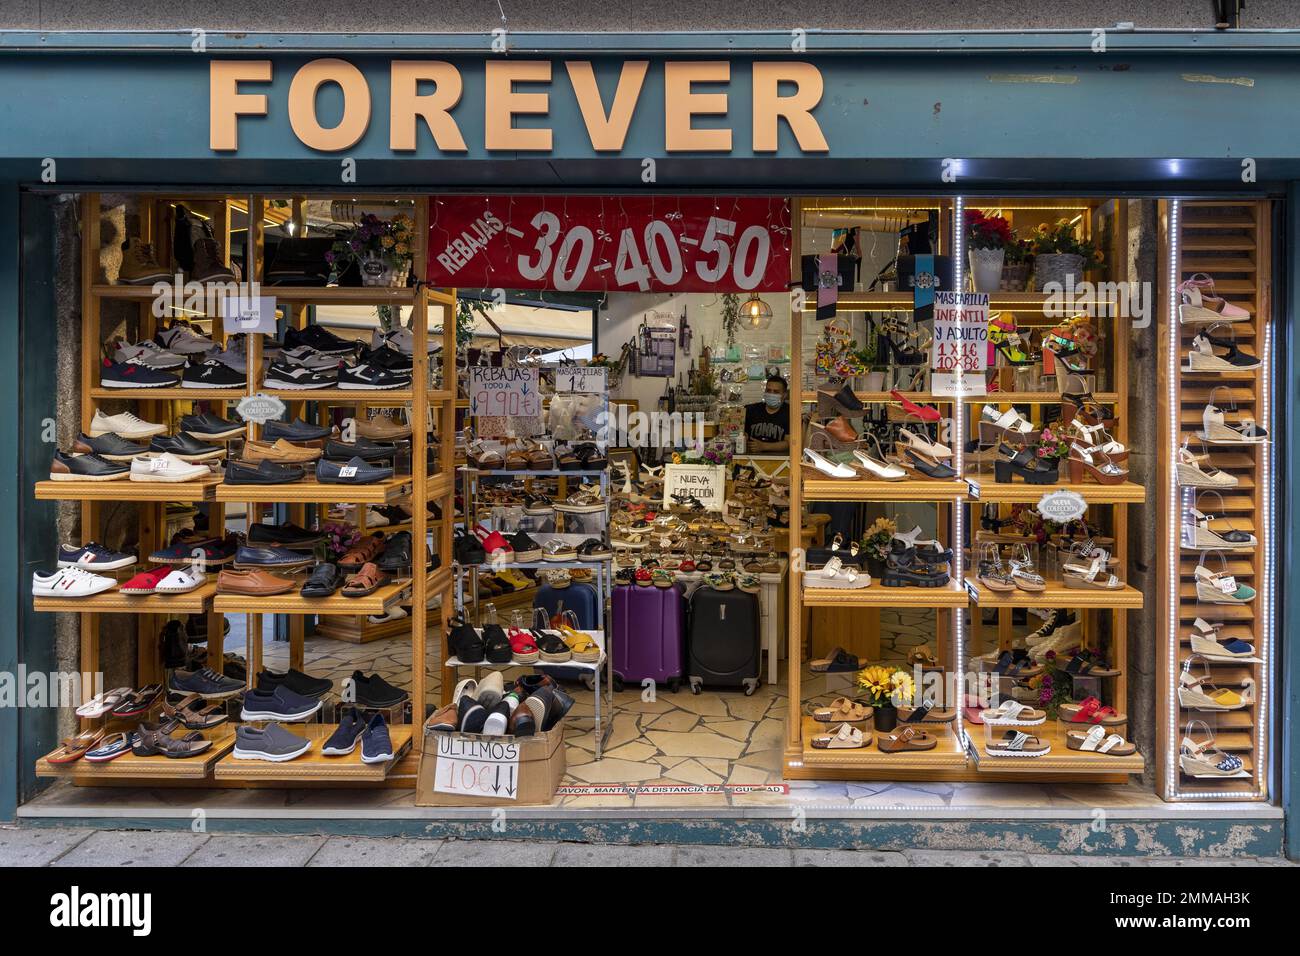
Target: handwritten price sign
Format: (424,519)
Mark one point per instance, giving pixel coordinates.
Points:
(959,355)
(581,378)
(472,766)
(621,243)
(504,391)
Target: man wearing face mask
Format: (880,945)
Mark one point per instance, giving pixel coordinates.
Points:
(767,423)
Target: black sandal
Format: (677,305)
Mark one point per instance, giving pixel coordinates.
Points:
(904,569)
(496,645)
(465,642)
(1025,464)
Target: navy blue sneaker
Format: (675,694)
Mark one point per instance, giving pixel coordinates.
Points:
(94,557)
(268,557)
(133,375)
(278,704)
(205,682)
(345,737)
(376,745)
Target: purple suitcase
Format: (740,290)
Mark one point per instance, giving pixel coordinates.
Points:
(649,635)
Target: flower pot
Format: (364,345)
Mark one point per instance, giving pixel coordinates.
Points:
(378,270)
(986,268)
(876,568)
(1015,276)
(886,717)
(1057,267)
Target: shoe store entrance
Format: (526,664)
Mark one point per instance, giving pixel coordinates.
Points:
(619,502)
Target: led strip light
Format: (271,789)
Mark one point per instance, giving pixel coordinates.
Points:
(1174,501)
(959,509)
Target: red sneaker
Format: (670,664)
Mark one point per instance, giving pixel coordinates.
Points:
(146,582)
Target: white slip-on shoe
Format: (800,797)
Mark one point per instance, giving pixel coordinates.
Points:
(166,467)
(124,425)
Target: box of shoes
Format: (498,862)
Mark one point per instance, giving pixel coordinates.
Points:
(474,770)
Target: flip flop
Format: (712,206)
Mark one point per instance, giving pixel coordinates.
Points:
(138,702)
(110,748)
(840,661)
(1013,712)
(75,747)
(101,704)
(1017,743)
(844,737)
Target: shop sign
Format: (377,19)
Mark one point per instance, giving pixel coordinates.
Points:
(959,353)
(249,314)
(610,243)
(588,379)
(708,483)
(474,766)
(510,392)
(1062,506)
(260,408)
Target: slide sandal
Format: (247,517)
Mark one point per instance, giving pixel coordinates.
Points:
(1090,710)
(1097,740)
(906,738)
(1013,712)
(844,737)
(74,747)
(840,661)
(843,710)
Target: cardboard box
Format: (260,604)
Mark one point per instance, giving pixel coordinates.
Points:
(478,771)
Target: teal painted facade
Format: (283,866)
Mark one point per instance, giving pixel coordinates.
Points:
(1157,113)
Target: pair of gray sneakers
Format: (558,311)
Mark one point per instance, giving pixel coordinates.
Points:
(271,742)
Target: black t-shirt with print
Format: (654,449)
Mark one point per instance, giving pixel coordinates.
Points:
(767,426)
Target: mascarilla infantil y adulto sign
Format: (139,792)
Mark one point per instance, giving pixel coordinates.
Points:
(959,353)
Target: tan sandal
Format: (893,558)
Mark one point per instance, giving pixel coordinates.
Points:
(843,710)
(74,747)
(906,738)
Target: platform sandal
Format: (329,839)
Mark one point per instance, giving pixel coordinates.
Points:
(1098,741)
(1025,464)
(1009,426)
(904,569)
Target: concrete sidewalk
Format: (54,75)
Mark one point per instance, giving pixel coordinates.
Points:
(77,846)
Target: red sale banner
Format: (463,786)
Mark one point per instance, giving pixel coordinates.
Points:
(610,243)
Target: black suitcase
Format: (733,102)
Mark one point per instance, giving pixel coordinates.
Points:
(723,640)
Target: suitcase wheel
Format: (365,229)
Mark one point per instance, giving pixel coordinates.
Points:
(588,681)
(751,685)
(675,685)
(696,683)
(618,685)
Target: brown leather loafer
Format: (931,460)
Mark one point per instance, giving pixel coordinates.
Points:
(285,452)
(253,582)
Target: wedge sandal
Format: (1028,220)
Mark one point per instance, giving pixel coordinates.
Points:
(1202,758)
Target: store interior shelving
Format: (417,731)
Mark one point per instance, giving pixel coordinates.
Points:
(299,502)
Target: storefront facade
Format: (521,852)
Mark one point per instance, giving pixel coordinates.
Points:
(958,117)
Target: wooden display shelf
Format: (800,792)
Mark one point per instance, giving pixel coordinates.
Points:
(177,394)
(864,489)
(1128,492)
(1056,595)
(124,489)
(314,765)
(991,398)
(950,595)
(949,755)
(358,630)
(1061,760)
(144,769)
(343,295)
(294,603)
(115,602)
(341,396)
(312,491)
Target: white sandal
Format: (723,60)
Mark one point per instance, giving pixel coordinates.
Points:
(911,439)
(844,737)
(1092,577)
(1013,712)
(1098,741)
(827,467)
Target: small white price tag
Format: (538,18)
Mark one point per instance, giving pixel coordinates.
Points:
(973,489)
(348,471)
(157,464)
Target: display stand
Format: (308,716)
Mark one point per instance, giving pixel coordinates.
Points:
(422,484)
(1231,241)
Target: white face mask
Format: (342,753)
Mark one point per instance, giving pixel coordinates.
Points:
(772,400)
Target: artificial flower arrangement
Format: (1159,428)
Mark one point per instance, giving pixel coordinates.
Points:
(884,686)
(875,540)
(988,232)
(1051,445)
(340,539)
(386,240)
